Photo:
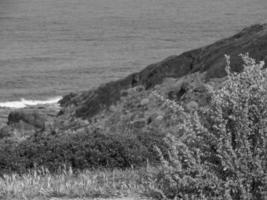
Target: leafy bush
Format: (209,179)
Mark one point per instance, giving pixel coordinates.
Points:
(84,150)
(118,138)
(219,152)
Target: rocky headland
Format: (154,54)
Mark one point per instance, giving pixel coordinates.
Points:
(126,137)
(208,61)
(124,110)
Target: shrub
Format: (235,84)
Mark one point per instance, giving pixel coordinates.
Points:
(219,152)
(114,139)
(84,150)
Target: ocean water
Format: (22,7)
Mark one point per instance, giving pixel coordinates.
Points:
(51,47)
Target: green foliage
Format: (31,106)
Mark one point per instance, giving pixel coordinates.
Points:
(219,152)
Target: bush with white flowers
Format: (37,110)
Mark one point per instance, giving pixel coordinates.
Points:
(220,151)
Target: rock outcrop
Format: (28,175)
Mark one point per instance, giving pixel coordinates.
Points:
(28,121)
(31,117)
(209,59)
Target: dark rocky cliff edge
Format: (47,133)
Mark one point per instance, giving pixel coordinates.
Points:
(209,59)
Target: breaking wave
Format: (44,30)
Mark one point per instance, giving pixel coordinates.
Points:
(24,103)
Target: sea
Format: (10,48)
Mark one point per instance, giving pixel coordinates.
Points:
(49,48)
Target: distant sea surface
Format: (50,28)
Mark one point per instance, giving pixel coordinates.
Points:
(51,47)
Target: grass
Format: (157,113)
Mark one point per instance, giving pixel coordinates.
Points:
(41,184)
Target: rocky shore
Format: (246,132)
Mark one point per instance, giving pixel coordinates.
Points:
(26,121)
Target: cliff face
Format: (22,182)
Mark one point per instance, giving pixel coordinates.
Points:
(209,59)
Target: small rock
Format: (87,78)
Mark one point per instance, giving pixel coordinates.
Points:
(159,118)
(31,117)
(113,108)
(192,105)
(144,101)
(139,124)
(155,119)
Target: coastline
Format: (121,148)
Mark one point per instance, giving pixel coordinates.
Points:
(49,107)
(118,125)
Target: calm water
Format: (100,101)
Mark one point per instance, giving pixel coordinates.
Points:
(51,47)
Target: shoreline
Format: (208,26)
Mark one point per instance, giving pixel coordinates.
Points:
(49,107)
(24,103)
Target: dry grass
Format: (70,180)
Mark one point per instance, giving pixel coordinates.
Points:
(40,184)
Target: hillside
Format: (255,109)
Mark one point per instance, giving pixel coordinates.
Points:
(209,59)
(124,115)
(186,127)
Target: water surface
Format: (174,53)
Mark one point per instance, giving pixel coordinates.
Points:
(52,47)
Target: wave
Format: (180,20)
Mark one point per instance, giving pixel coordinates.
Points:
(25,103)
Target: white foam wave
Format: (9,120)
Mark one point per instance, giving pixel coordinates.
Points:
(24,103)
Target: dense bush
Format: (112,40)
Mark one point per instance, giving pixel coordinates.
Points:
(83,150)
(219,152)
(120,137)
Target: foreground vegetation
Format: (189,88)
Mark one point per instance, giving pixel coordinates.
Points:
(219,152)
(216,151)
(41,184)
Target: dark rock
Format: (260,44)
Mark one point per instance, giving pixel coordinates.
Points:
(179,92)
(139,124)
(209,59)
(31,117)
(67,98)
(199,94)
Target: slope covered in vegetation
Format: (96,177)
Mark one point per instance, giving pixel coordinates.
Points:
(214,151)
(205,134)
